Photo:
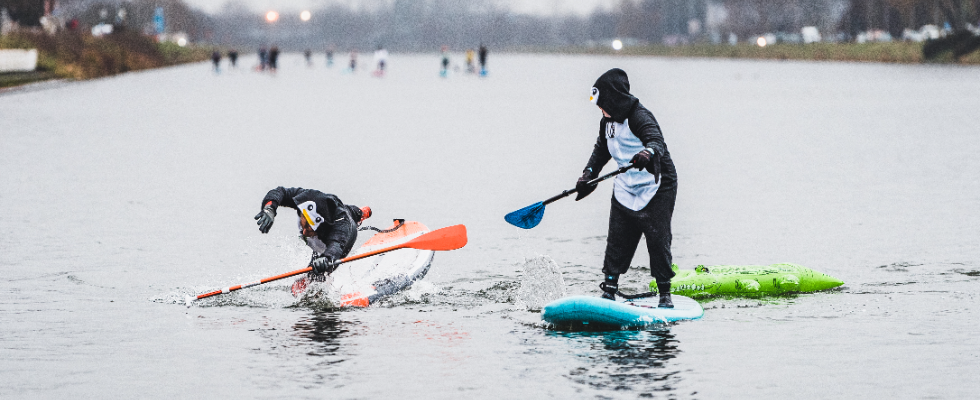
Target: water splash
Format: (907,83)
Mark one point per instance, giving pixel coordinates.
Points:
(541,283)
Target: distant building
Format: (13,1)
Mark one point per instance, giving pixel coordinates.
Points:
(25,12)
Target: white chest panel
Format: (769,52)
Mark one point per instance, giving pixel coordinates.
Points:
(633,188)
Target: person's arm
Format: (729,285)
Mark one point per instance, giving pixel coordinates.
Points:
(600,153)
(644,125)
(279,196)
(600,156)
(336,241)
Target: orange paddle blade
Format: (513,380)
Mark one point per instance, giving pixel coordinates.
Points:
(448,238)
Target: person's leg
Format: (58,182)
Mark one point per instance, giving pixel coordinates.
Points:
(621,242)
(655,223)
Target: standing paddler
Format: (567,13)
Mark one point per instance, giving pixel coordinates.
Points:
(326,224)
(643,199)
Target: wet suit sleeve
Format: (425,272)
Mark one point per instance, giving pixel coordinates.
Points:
(600,152)
(643,124)
(281,196)
(338,241)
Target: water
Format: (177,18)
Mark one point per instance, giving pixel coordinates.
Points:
(120,195)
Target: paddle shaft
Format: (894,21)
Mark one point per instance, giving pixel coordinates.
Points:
(589,183)
(298,272)
(448,238)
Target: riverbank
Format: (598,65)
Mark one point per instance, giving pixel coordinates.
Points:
(893,52)
(72,55)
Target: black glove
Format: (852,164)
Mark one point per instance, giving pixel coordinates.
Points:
(641,159)
(266,217)
(582,187)
(649,160)
(323,265)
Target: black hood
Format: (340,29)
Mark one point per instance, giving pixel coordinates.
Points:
(319,207)
(613,91)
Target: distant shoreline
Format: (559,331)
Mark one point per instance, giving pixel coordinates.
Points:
(78,56)
(894,52)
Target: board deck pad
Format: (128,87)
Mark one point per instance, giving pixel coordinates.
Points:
(361,283)
(595,312)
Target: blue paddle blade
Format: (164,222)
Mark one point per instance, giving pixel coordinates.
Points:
(527,217)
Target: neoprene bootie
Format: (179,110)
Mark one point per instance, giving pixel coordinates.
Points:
(610,287)
(664,290)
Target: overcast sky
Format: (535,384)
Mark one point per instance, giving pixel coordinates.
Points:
(540,7)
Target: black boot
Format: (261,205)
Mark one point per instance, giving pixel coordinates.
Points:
(609,287)
(664,289)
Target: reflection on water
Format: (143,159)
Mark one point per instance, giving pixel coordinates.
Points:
(636,361)
(325,329)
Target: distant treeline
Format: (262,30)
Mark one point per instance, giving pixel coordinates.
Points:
(425,25)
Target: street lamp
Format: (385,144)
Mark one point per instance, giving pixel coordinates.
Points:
(305,16)
(271,16)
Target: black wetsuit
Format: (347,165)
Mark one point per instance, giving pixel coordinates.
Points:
(338,229)
(653,220)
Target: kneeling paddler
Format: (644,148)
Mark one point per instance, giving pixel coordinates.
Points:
(326,224)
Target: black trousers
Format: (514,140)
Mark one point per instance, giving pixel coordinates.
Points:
(625,228)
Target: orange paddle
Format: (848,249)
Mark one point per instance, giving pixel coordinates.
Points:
(448,238)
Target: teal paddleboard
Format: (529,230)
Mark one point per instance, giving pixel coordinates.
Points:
(748,280)
(587,312)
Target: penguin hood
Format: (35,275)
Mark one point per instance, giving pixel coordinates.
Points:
(611,92)
(317,208)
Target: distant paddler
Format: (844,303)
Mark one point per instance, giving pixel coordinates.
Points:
(380,60)
(326,224)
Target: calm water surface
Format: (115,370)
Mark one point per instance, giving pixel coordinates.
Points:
(120,195)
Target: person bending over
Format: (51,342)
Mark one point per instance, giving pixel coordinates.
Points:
(326,224)
(643,199)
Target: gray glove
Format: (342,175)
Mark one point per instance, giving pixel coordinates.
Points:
(266,217)
(323,265)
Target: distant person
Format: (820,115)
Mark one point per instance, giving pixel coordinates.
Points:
(380,60)
(216,60)
(274,59)
(643,199)
(353,60)
(483,60)
(470,67)
(326,224)
(263,59)
(233,58)
(330,57)
(308,55)
(445,62)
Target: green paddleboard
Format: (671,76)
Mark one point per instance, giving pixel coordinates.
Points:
(748,280)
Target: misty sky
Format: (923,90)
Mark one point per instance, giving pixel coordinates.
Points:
(541,7)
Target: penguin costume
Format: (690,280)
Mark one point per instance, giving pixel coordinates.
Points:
(643,198)
(327,225)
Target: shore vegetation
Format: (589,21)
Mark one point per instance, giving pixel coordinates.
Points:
(75,55)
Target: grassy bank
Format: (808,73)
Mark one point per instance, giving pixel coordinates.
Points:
(72,55)
(895,52)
